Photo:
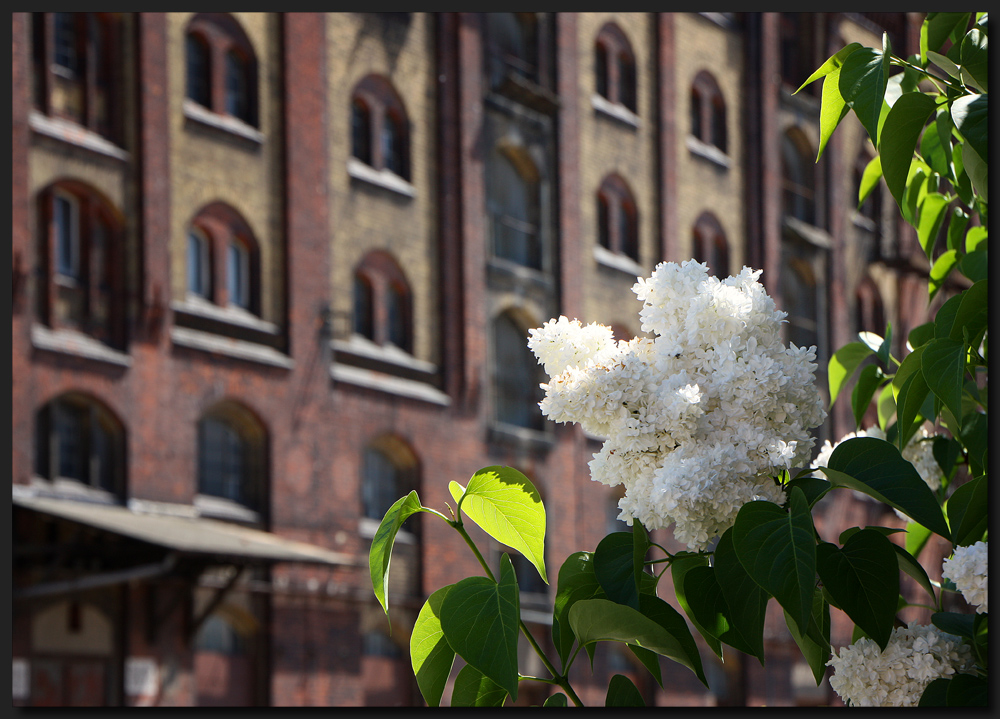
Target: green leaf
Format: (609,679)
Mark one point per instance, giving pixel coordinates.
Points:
(945,63)
(916,537)
(935,694)
(833,63)
(936,153)
(640,546)
(863,577)
(869,179)
(813,488)
(886,406)
(916,189)
(678,572)
(921,335)
(967,512)
(910,400)
(937,27)
(746,600)
(622,693)
(474,689)
(970,116)
(556,700)
(975,60)
(480,621)
(505,504)
(842,365)
(833,109)
(961,625)
(975,265)
(710,612)
(975,237)
(943,366)
(381,549)
(601,620)
(932,212)
(652,607)
(899,139)
(577,581)
(956,228)
(962,184)
(976,168)
(970,313)
(868,381)
(851,531)
(945,317)
(615,569)
(650,660)
(966,690)
(778,550)
(430,654)
(815,649)
(876,468)
(862,84)
(911,566)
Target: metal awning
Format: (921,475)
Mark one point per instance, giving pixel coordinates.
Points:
(194,536)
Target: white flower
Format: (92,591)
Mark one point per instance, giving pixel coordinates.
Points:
(915,656)
(967,569)
(699,419)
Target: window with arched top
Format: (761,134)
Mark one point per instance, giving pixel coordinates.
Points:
(232,450)
(798,177)
(708,111)
(81,262)
(513,203)
(516,375)
(617,218)
(76,62)
(869,311)
(798,49)
(223,259)
(221,67)
(512,39)
(380,128)
(77,438)
(709,245)
(382,303)
(614,67)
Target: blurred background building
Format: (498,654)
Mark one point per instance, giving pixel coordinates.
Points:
(272,271)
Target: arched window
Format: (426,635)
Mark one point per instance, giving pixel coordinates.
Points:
(798,49)
(199,69)
(614,65)
(81,262)
(517,376)
(231,456)
(513,203)
(219,234)
(77,438)
(389,470)
(513,44)
(77,58)
(382,301)
(709,245)
(708,111)
(376,643)
(199,264)
(617,218)
(380,126)
(798,177)
(868,308)
(221,67)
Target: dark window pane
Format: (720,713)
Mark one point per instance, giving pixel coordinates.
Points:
(237,87)
(601,70)
(218,635)
(64,52)
(517,377)
(696,114)
(198,72)
(719,124)
(398,333)
(627,232)
(222,465)
(603,222)
(514,204)
(67,230)
(626,78)
(361,143)
(380,486)
(364,323)
(70,431)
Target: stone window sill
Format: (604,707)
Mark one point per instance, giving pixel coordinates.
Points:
(225,509)
(384,179)
(237,349)
(615,261)
(708,152)
(228,315)
(388,384)
(615,111)
(520,437)
(76,135)
(225,123)
(76,344)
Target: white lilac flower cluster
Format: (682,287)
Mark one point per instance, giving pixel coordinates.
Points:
(915,656)
(698,420)
(919,452)
(967,569)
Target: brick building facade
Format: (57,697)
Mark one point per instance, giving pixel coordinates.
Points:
(271,271)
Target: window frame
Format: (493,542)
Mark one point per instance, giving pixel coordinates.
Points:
(709,244)
(512,372)
(620,221)
(614,61)
(227,43)
(238,292)
(383,278)
(708,116)
(203,268)
(377,112)
(244,449)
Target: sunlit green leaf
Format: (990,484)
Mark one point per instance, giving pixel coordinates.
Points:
(863,78)
(936,154)
(976,168)
(956,228)
(970,116)
(899,139)
(833,63)
(861,397)
(974,238)
(932,212)
(430,654)
(937,27)
(381,549)
(886,406)
(971,311)
(506,505)
(474,689)
(916,537)
(842,365)
(833,109)
(975,59)
(869,179)
(863,577)
(944,63)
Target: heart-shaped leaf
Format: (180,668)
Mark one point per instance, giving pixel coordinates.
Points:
(474,689)
(876,468)
(967,509)
(778,550)
(576,581)
(430,654)
(623,693)
(815,643)
(863,578)
(863,78)
(710,612)
(480,618)
(506,505)
(556,700)
(614,567)
(678,572)
(746,600)
(902,127)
